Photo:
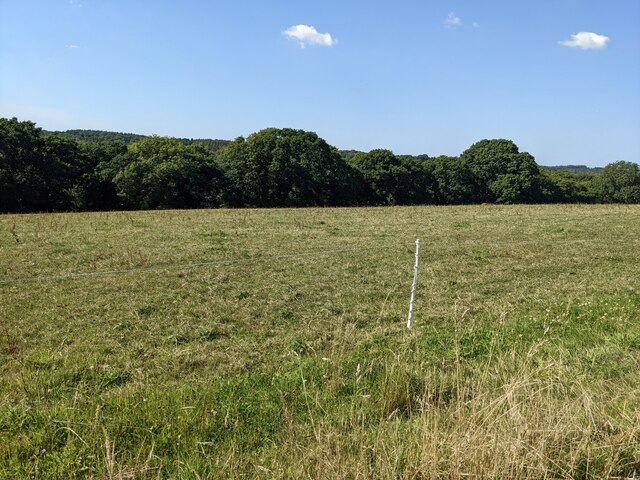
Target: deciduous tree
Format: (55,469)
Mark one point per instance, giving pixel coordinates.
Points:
(502,173)
(161,172)
(619,182)
(285,167)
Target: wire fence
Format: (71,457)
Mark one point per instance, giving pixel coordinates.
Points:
(262,258)
(177,266)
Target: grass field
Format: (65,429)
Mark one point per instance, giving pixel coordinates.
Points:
(272,344)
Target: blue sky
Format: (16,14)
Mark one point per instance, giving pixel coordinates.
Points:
(413,76)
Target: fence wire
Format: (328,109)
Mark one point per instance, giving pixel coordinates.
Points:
(178,266)
(158,268)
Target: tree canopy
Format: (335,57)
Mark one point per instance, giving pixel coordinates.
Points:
(502,173)
(285,167)
(391,180)
(619,182)
(161,172)
(36,172)
(44,171)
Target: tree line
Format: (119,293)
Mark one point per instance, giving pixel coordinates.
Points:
(52,171)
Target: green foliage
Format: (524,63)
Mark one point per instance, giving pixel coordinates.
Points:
(161,172)
(502,173)
(575,169)
(619,182)
(96,136)
(93,187)
(97,170)
(212,145)
(19,147)
(383,175)
(348,154)
(560,186)
(455,183)
(391,180)
(35,173)
(285,167)
(100,136)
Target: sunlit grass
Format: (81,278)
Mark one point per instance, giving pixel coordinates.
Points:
(292,359)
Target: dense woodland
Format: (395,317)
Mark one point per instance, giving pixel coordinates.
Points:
(82,170)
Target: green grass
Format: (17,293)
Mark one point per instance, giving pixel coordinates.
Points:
(291,358)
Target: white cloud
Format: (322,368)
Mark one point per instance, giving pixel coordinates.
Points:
(452,20)
(73,46)
(586,41)
(308,35)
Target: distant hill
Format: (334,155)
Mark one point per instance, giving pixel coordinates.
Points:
(423,157)
(106,136)
(99,136)
(347,154)
(211,144)
(575,168)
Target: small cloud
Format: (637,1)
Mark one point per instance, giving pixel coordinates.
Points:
(452,20)
(476,25)
(586,41)
(73,46)
(308,35)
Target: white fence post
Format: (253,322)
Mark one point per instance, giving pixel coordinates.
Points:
(415,280)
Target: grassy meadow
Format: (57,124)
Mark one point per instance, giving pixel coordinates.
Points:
(273,343)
